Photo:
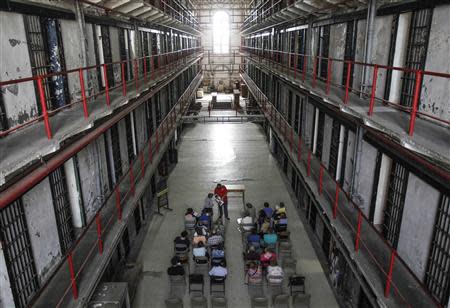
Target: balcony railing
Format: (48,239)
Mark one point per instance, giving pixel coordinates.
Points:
(383,267)
(304,68)
(143,70)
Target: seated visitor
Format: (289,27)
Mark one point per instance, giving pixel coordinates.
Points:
(279,209)
(189,218)
(275,273)
(176,269)
(205,219)
(280,224)
(219,270)
(268,210)
(246,222)
(254,239)
(254,274)
(261,217)
(251,210)
(252,254)
(198,237)
(265,226)
(267,256)
(200,251)
(182,242)
(270,238)
(209,204)
(215,239)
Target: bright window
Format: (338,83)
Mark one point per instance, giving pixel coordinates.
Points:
(221,32)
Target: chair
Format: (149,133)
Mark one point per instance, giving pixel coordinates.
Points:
(174,302)
(189,225)
(289,266)
(297,284)
(301,301)
(195,280)
(218,302)
(199,302)
(280,300)
(284,236)
(177,280)
(201,263)
(216,281)
(285,249)
(260,302)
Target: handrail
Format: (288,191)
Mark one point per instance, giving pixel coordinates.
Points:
(299,150)
(289,62)
(143,69)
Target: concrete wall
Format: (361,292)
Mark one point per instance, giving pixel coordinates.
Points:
(421,204)
(70,32)
(42,228)
(435,98)
(6,297)
(19,99)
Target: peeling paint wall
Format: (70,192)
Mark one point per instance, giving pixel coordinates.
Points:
(366,175)
(337,50)
(70,33)
(19,99)
(349,161)
(92,80)
(6,297)
(421,204)
(93,176)
(359,53)
(435,96)
(380,54)
(42,228)
(115,52)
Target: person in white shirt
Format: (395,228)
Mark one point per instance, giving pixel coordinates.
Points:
(219,270)
(200,250)
(275,273)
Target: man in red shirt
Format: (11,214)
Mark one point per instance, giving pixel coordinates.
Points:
(222,191)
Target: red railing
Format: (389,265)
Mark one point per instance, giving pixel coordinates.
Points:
(142,70)
(396,278)
(288,63)
(113,209)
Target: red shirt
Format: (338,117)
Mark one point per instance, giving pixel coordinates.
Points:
(222,193)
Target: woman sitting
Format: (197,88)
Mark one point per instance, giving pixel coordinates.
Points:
(275,273)
(254,274)
(190,219)
(199,237)
(267,256)
(200,252)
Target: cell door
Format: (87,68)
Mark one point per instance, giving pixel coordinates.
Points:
(107,55)
(395,203)
(322,51)
(289,107)
(416,52)
(437,276)
(297,115)
(125,55)
(19,259)
(61,204)
(350,49)
(301,47)
(393,41)
(292,49)
(334,148)
(115,145)
(320,135)
(130,140)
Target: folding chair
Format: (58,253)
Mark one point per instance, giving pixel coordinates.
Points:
(216,281)
(260,302)
(199,302)
(177,285)
(280,301)
(289,266)
(218,302)
(174,302)
(201,263)
(284,236)
(194,280)
(297,284)
(301,300)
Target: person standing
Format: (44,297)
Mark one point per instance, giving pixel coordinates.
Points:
(222,192)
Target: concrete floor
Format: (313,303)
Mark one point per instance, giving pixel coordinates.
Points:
(233,154)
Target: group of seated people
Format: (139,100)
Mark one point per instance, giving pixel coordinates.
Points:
(261,238)
(207,243)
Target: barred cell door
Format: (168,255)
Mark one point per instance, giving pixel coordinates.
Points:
(322,51)
(437,276)
(63,212)
(395,203)
(416,52)
(334,148)
(350,49)
(320,135)
(18,255)
(115,145)
(301,47)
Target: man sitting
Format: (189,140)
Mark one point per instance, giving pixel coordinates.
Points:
(190,219)
(275,273)
(176,269)
(270,238)
(198,237)
(205,219)
(215,239)
(200,251)
(181,242)
(209,204)
(254,239)
(219,270)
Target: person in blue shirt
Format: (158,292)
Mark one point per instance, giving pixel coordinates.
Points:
(280,224)
(268,210)
(270,238)
(253,238)
(205,219)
